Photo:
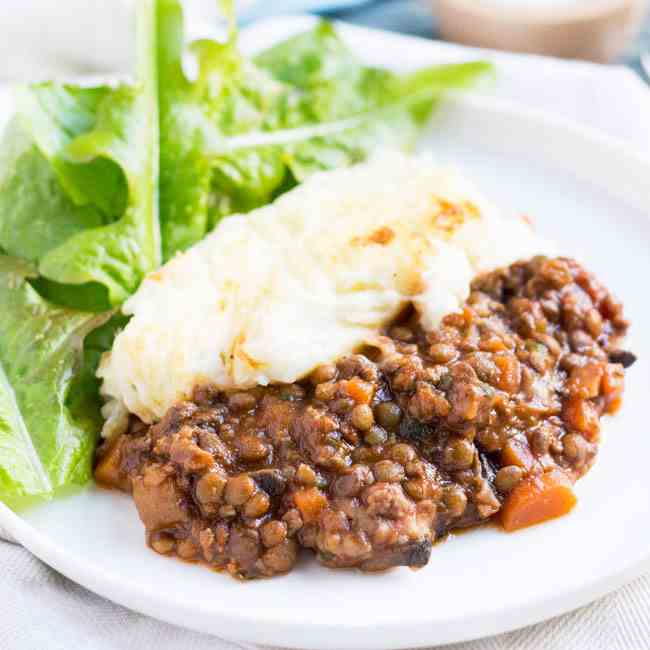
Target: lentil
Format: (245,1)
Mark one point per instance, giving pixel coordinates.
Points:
(323,373)
(257,505)
(362,417)
(376,436)
(369,461)
(388,471)
(388,415)
(239,489)
(508,477)
(273,533)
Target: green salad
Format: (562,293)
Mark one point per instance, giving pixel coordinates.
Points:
(100,185)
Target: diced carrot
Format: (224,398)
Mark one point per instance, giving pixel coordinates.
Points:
(581,415)
(493,344)
(360,391)
(516,453)
(613,405)
(613,384)
(509,372)
(468,316)
(538,499)
(584,381)
(311,502)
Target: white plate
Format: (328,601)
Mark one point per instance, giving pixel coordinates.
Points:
(584,190)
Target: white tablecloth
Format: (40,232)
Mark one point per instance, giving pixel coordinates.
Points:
(41,610)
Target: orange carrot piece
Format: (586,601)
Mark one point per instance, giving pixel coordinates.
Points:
(538,499)
(516,453)
(584,381)
(613,383)
(311,502)
(509,372)
(360,391)
(581,415)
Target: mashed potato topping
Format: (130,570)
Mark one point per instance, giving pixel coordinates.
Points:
(269,295)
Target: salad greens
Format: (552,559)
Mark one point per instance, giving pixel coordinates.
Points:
(99,185)
(78,231)
(94,155)
(44,444)
(244,131)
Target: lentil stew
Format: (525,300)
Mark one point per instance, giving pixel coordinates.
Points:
(492,415)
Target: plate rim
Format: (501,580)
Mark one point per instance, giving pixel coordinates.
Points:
(323,636)
(293,634)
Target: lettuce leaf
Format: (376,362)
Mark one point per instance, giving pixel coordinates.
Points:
(83,163)
(78,231)
(242,131)
(31,201)
(44,445)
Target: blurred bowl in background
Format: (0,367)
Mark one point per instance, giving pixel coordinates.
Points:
(42,39)
(595,30)
(58,39)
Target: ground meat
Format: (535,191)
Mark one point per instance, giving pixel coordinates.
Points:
(372,459)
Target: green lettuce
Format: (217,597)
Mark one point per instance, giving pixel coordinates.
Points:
(78,183)
(44,444)
(78,231)
(243,131)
